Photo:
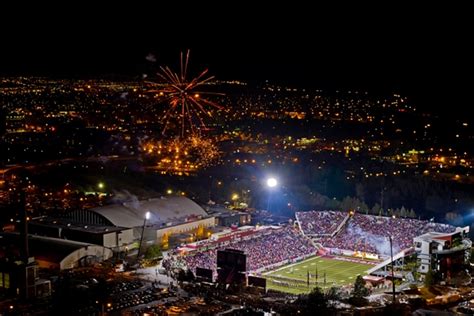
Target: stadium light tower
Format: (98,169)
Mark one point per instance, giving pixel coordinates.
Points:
(271,184)
(147,217)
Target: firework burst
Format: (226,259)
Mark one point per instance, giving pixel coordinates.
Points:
(188,103)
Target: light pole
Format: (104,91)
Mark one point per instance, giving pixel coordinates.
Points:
(271,183)
(147,216)
(393,275)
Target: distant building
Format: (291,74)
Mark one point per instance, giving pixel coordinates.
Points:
(229,218)
(445,253)
(18,278)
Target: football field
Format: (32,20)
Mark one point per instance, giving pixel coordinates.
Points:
(321,271)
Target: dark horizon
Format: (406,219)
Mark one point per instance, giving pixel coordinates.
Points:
(421,58)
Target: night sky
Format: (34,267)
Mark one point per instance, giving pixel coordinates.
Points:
(425,55)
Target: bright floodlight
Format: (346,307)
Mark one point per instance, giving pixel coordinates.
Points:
(272,182)
(147,215)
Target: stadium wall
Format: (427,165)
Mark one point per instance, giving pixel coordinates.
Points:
(185,227)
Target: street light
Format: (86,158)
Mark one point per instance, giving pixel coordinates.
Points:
(147,216)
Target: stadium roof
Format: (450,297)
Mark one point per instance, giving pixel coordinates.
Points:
(441,237)
(68,225)
(162,210)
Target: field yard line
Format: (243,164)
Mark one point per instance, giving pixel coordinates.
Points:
(289,266)
(334,270)
(344,271)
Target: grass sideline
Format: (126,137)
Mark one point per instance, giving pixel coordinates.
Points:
(338,273)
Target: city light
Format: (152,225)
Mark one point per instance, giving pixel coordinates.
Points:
(147,215)
(101,185)
(182,156)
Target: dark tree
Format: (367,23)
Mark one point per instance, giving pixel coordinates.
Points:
(333,294)
(429,278)
(153,252)
(314,301)
(359,293)
(360,290)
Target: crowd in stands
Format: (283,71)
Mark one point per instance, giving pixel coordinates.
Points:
(278,245)
(361,233)
(320,222)
(368,233)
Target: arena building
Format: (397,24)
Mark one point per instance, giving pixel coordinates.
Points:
(168,215)
(58,254)
(112,237)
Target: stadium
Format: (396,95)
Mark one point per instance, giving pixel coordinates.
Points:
(321,248)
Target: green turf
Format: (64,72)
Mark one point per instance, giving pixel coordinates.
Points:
(338,273)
